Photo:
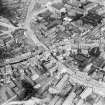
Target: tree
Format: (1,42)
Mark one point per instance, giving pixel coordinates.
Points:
(94,52)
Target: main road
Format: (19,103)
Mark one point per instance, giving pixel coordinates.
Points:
(30,33)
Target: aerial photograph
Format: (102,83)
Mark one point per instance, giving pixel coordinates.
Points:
(52,52)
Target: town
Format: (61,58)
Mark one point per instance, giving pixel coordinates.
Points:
(54,54)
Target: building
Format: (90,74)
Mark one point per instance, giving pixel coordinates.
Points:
(86,93)
(69,99)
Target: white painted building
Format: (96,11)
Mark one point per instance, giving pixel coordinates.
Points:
(86,93)
(69,99)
